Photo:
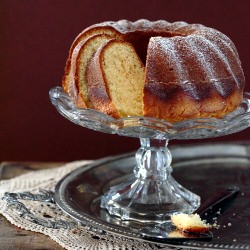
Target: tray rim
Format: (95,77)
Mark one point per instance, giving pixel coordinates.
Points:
(98,226)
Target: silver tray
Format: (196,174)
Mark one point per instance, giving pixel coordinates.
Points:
(208,168)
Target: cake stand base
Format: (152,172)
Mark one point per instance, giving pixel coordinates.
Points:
(152,194)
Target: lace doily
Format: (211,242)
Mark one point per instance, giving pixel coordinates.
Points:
(20,204)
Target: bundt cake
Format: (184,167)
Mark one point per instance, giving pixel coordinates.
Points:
(180,71)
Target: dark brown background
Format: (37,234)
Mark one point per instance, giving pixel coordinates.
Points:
(35,37)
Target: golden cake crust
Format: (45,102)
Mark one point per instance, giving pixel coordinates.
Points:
(209,104)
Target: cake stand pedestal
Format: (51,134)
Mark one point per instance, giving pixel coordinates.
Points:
(151,195)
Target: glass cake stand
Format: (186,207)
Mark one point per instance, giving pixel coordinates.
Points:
(151,195)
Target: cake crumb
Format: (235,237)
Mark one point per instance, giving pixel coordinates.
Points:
(189,222)
(215,225)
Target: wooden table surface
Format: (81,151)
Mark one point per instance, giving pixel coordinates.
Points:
(12,237)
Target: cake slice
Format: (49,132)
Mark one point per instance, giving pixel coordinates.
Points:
(85,53)
(115,77)
(69,71)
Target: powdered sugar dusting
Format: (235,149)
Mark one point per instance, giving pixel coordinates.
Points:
(223,58)
(201,55)
(169,46)
(202,50)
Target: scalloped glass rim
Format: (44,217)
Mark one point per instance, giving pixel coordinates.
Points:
(146,127)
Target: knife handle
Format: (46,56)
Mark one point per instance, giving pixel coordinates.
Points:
(217,201)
